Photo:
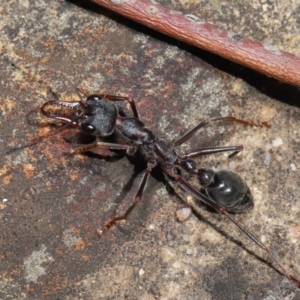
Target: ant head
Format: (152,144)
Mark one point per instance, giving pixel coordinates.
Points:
(95,117)
(98,116)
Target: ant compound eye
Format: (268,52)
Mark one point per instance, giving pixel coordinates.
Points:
(93,98)
(88,128)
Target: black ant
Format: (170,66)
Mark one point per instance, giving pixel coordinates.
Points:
(225,191)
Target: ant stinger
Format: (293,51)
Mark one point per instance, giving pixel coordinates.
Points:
(225,191)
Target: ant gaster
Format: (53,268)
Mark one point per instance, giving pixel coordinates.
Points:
(225,191)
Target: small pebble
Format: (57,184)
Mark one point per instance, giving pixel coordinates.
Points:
(183,213)
(295,231)
(151,226)
(267,160)
(232,165)
(189,251)
(277,142)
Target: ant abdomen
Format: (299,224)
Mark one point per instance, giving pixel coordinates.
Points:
(228,189)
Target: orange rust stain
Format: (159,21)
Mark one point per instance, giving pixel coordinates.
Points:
(44,131)
(75,230)
(85,257)
(60,284)
(51,228)
(50,43)
(7,179)
(28,288)
(179,60)
(59,252)
(6,277)
(7,105)
(4,170)
(32,154)
(15,272)
(10,104)
(85,30)
(49,186)
(73,176)
(91,35)
(80,245)
(29,170)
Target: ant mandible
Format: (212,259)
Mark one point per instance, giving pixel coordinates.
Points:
(225,191)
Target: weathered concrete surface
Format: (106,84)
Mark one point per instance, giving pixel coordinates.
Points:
(51,202)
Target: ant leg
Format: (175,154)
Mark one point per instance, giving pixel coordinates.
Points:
(207,151)
(205,122)
(220,209)
(190,133)
(110,222)
(121,98)
(244,122)
(101,145)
